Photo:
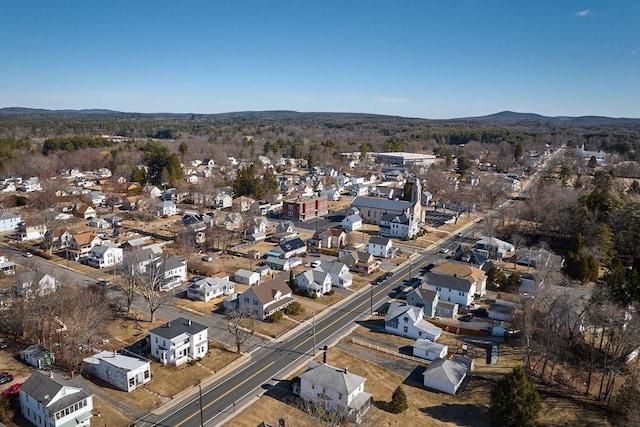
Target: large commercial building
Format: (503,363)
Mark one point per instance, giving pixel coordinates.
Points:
(406,159)
(303,208)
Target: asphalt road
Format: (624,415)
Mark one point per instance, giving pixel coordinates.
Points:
(274,359)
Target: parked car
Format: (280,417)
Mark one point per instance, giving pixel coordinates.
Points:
(207,258)
(13,390)
(103,282)
(27,254)
(445,250)
(482,312)
(466,318)
(5,377)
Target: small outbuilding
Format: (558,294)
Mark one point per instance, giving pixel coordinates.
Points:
(37,356)
(445,376)
(123,372)
(429,350)
(246,277)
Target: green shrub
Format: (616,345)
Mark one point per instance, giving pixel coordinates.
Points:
(275,317)
(293,308)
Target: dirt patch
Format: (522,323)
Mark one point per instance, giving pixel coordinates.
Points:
(198,306)
(104,414)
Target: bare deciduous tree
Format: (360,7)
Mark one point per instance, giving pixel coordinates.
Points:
(241,324)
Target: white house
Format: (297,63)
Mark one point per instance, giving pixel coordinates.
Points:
(33,283)
(408,321)
(398,226)
(338,390)
(31,231)
(207,288)
(380,247)
(9,221)
(315,282)
(246,277)
(341,277)
(429,350)
(105,256)
(6,266)
(465,271)
(173,271)
(178,341)
(445,375)
(494,248)
(166,208)
(125,373)
(452,289)
(352,222)
(47,400)
(283,264)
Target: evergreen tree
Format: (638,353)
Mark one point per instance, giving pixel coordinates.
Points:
(518,151)
(514,401)
(399,401)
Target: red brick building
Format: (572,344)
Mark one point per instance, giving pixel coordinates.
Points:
(304,209)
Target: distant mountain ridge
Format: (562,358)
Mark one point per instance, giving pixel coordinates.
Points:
(503,116)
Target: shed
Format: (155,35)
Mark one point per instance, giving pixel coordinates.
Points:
(429,350)
(446,309)
(445,376)
(37,356)
(246,277)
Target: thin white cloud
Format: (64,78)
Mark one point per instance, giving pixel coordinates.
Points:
(390,100)
(583,13)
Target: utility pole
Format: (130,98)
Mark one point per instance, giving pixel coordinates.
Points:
(201,414)
(371,299)
(314,333)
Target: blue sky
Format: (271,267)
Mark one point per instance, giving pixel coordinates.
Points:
(422,58)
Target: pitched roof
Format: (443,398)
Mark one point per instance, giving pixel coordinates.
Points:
(379,203)
(446,370)
(425,294)
(332,378)
(178,327)
(84,238)
(382,241)
(458,269)
(266,291)
(450,282)
(43,388)
(290,245)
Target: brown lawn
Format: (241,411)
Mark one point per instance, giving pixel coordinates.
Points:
(274,329)
(130,329)
(170,380)
(198,306)
(560,407)
(106,415)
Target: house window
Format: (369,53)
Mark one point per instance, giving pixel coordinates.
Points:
(406,329)
(147,374)
(132,382)
(420,333)
(406,319)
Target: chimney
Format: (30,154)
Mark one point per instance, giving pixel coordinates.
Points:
(189,322)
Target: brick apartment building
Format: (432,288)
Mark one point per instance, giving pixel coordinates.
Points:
(304,209)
